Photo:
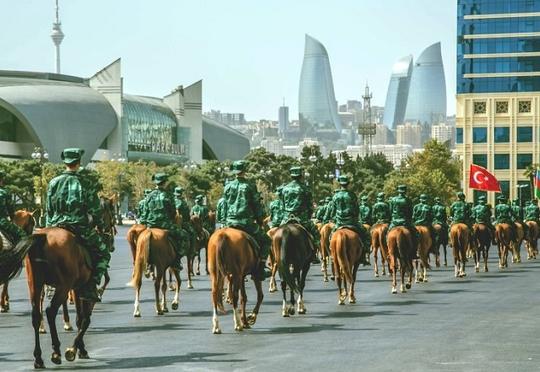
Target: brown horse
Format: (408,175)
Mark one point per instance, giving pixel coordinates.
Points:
(378,244)
(25,220)
(482,241)
(273,263)
(153,247)
(401,248)
(424,246)
(326,231)
(347,250)
(441,239)
(505,237)
(531,241)
(202,242)
(108,233)
(516,243)
(459,238)
(293,250)
(231,255)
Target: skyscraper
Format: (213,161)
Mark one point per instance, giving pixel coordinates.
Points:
(283,119)
(498,90)
(427,91)
(398,92)
(316,100)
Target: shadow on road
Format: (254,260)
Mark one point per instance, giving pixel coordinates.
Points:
(136,329)
(308,329)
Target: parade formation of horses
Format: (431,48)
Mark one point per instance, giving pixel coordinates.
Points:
(347,251)
(232,256)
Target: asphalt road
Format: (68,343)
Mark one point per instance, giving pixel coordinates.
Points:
(484,322)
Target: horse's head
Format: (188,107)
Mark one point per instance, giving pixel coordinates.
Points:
(25,220)
(212,217)
(196,222)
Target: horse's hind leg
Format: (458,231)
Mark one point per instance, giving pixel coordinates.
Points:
(4,299)
(444,251)
(105,283)
(176,299)
(157,285)
(252,318)
(171,284)
(352,297)
(164,294)
(84,312)
(301,284)
(285,306)
(198,271)
(65,312)
(485,253)
(376,261)
(190,272)
(236,284)
(60,297)
(36,291)
(243,303)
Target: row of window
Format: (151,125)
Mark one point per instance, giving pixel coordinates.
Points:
(498,84)
(498,25)
(502,161)
(498,65)
(500,134)
(499,45)
(466,7)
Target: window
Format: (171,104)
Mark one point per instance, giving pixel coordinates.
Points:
(524,192)
(505,188)
(477,194)
(524,134)
(480,159)
(502,161)
(523,160)
(501,134)
(459,135)
(524,107)
(479,107)
(501,107)
(480,135)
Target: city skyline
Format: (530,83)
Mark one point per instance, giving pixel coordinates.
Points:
(231,61)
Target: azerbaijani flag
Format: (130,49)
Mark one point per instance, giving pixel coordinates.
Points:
(537,183)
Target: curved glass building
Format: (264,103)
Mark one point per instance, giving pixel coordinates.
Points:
(316,100)
(427,90)
(398,92)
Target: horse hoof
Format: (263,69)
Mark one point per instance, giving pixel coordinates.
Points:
(137,314)
(291,311)
(3,309)
(83,355)
(172,288)
(302,311)
(425,280)
(394,290)
(38,364)
(486,270)
(285,314)
(165,310)
(160,312)
(352,300)
(216,331)
(272,290)
(190,286)
(174,306)
(70,354)
(325,280)
(332,278)
(238,328)
(477,269)
(42,330)
(408,285)
(341,302)
(68,327)
(252,318)
(56,358)
(197,272)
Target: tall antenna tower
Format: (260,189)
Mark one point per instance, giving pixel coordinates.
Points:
(367,129)
(57,36)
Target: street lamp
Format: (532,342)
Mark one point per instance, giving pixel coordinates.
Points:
(41,156)
(520,187)
(118,157)
(339,162)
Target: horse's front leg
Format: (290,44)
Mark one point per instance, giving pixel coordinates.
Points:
(164,294)
(190,271)
(376,261)
(60,297)
(252,318)
(65,312)
(84,312)
(352,296)
(243,304)
(157,285)
(176,300)
(4,299)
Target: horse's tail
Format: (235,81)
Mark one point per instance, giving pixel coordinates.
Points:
(283,266)
(383,244)
(220,270)
(341,254)
(11,259)
(141,259)
(405,248)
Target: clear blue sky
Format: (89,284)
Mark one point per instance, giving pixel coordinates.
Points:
(248,52)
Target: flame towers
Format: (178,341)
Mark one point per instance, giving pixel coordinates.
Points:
(316,101)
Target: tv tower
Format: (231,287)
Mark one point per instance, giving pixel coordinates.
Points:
(367,129)
(57,36)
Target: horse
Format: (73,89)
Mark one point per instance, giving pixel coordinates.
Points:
(378,244)
(292,248)
(505,237)
(459,237)
(424,246)
(273,263)
(107,206)
(154,247)
(232,255)
(202,241)
(519,236)
(401,247)
(326,231)
(25,220)
(441,239)
(482,240)
(347,250)
(531,241)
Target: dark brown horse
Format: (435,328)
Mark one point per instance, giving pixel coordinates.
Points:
(459,238)
(531,241)
(292,249)
(325,232)
(202,242)
(424,246)
(347,251)
(519,237)
(505,238)
(109,232)
(378,244)
(231,256)
(482,241)
(441,239)
(401,249)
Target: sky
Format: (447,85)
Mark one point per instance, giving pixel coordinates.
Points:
(247,52)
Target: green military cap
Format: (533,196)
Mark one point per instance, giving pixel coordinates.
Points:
(147,191)
(199,197)
(364,198)
(328,199)
(402,188)
(501,197)
(381,195)
(238,166)
(72,155)
(437,199)
(423,197)
(461,194)
(321,201)
(178,190)
(296,171)
(482,198)
(343,180)
(159,178)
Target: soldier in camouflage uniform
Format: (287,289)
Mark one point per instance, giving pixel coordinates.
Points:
(440,217)
(504,214)
(141,207)
(221,213)
(532,212)
(381,210)
(422,215)
(364,215)
(161,213)
(344,210)
(182,208)
(276,210)
(319,212)
(13,232)
(401,213)
(460,211)
(298,204)
(201,210)
(74,205)
(245,212)
(481,214)
(517,210)
(325,216)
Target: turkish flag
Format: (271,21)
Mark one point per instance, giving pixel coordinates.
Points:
(481,179)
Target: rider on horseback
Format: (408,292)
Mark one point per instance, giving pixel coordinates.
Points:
(182,209)
(298,205)
(401,212)
(532,212)
(221,212)
(460,211)
(245,212)
(344,210)
(141,207)
(201,210)
(276,209)
(422,215)
(364,215)
(438,210)
(7,210)
(517,210)
(70,203)
(381,210)
(503,214)
(481,214)
(161,213)
(320,211)
(325,216)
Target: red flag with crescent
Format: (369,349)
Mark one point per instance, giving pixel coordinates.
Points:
(481,179)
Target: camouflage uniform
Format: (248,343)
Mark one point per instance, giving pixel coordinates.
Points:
(460,211)
(7,211)
(141,207)
(182,209)
(319,212)
(481,214)
(504,214)
(438,211)
(532,212)
(276,211)
(518,215)
(422,215)
(221,212)
(364,215)
(401,213)
(381,210)
(201,210)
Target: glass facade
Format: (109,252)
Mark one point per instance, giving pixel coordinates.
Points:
(500,42)
(525,192)
(480,159)
(505,187)
(398,93)
(426,102)
(479,135)
(523,161)
(502,161)
(501,134)
(524,134)
(317,102)
(459,135)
